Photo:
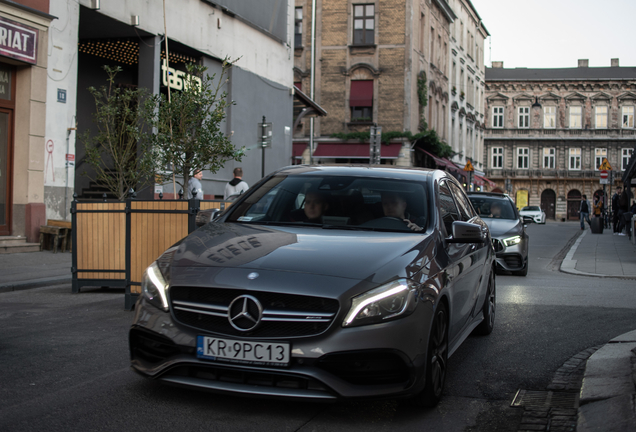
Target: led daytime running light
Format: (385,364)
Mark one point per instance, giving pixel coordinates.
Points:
(381,296)
(512,241)
(157,279)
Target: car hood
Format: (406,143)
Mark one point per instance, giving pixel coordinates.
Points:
(530,213)
(310,250)
(500,227)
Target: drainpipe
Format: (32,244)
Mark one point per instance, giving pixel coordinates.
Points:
(312,77)
(68,136)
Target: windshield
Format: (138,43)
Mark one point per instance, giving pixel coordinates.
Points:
(492,207)
(336,202)
(531,208)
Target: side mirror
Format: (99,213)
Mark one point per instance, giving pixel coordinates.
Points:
(465,232)
(205,216)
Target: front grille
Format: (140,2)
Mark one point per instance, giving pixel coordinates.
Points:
(284,315)
(151,347)
(248,377)
(497,245)
(513,261)
(366,367)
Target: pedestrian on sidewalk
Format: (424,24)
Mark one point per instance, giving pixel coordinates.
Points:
(623,207)
(584,212)
(615,209)
(194,185)
(236,186)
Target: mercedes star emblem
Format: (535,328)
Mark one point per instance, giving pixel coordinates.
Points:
(245,313)
(252,276)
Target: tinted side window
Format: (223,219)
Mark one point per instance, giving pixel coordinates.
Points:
(447,208)
(464,206)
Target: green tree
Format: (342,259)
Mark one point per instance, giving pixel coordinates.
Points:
(118,151)
(187,125)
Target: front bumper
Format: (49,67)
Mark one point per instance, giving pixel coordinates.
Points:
(511,258)
(378,360)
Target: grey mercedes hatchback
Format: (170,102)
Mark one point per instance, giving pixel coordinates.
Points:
(323,283)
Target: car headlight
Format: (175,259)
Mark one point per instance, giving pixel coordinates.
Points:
(154,287)
(393,300)
(511,241)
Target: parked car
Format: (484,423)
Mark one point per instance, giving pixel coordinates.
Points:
(368,298)
(534,212)
(507,229)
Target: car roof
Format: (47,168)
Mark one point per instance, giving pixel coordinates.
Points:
(381,171)
(489,194)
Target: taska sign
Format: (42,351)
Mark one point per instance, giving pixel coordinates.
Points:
(18,41)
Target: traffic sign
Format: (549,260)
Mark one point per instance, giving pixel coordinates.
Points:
(604,174)
(605,165)
(469,166)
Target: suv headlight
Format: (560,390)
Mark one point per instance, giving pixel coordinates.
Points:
(393,300)
(511,241)
(154,286)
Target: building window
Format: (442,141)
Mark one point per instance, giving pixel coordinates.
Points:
(548,157)
(575,117)
(298,27)
(363,24)
(523,154)
(497,157)
(524,117)
(626,156)
(628,117)
(601,117)
(361,100)
(497,117)
(575,158)
(599,155)
(549,117)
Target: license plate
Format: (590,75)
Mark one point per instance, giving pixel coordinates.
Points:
(240,351)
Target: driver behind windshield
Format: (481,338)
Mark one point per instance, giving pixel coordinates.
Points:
(394,205)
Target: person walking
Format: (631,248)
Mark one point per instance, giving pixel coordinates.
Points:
(615,207)
(194,185)
(236,186)
(623,208)
(584,212)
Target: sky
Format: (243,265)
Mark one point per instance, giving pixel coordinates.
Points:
(557,33)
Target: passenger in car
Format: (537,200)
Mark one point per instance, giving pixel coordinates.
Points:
(316,204)
(394,205)
(495,210)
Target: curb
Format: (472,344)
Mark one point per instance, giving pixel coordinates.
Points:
(568,264)
(34,283)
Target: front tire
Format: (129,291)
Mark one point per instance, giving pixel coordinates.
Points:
(489,308)
(436,360)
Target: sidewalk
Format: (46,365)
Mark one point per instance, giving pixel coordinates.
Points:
(34,269)
(608,393)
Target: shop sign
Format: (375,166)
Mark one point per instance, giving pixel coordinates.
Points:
(176,79)
(18,41)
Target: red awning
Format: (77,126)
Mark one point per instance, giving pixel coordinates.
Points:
(361,94)
(298,149)
(441,162)
(484,180)
(355,150)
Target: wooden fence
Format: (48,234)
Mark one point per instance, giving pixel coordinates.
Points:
(114,242)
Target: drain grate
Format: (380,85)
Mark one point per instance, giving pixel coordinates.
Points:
(545,399)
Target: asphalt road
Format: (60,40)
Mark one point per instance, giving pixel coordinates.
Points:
(64,361)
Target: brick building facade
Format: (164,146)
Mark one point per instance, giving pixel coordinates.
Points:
(548,131)
(370,58)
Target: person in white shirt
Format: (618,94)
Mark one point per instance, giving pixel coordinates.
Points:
(236,186)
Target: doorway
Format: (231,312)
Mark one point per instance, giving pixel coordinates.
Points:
(574,202)
(548,203)
(6,165)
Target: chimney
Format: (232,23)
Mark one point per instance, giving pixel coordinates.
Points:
(614,62)
(584,63)
(497,65)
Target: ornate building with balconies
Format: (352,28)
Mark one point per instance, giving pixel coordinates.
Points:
(549,130)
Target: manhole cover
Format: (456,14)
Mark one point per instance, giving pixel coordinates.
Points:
(545,399)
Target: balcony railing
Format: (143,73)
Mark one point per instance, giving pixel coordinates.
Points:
(561,133)
(545,174)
